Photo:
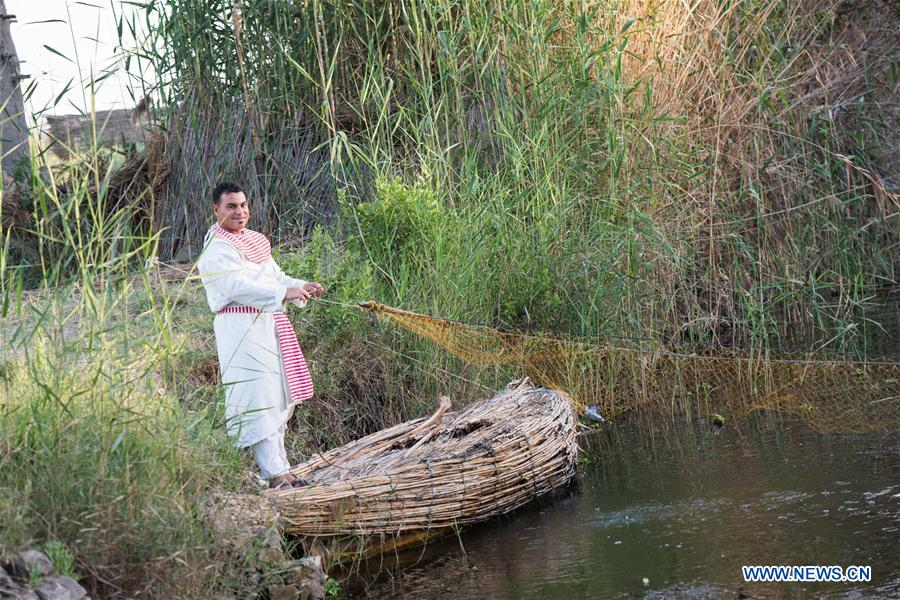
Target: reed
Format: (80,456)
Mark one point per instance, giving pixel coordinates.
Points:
(103,458)
(615,167)
(610,169)
(430,475)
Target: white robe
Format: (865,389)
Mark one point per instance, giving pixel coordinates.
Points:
(256,390)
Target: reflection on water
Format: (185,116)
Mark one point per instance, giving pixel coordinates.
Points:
(675,513)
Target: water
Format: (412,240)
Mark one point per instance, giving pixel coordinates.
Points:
(676,514)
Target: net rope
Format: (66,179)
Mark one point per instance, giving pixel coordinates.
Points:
(830,393)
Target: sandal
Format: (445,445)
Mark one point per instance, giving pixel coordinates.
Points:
(297,482)
(280,483)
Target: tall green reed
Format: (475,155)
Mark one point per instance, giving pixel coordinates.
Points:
(100,451)
(575,135)
(604,169)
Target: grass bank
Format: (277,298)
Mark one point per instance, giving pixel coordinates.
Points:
(107,452)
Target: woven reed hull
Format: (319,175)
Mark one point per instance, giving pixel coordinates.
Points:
(431,474)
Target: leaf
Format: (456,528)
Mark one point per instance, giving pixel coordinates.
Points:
(57,52)
(118,441)
(64,91)
(101,77)
(551,29)
(628,24)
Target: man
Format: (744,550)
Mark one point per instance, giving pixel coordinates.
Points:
(262,366)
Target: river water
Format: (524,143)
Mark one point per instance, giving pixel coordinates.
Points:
(674,511)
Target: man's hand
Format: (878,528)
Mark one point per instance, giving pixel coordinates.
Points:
(297,293)
(314,289)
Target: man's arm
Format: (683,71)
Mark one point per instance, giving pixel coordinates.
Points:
(221,270)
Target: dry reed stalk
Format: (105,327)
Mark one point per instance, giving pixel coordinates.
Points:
(429,474)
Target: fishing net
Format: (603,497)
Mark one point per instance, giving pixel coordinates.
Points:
(831,394)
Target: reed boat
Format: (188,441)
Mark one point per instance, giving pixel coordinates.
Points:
(425,477)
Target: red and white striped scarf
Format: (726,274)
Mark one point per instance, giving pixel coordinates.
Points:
(252,244)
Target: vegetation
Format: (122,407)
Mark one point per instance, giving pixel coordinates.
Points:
(103,456)
(714,175)
(601,169)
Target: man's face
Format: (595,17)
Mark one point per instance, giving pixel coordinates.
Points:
(231,211)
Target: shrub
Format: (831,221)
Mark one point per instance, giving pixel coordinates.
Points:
(399,227)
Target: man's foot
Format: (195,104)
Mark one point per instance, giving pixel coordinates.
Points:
(297,482)
(281,482)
